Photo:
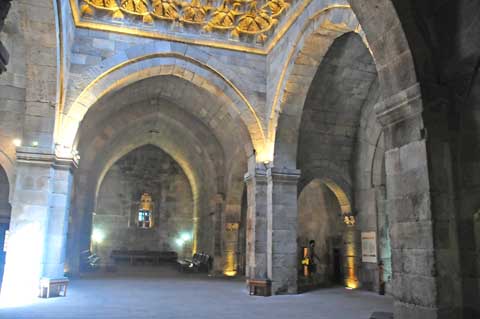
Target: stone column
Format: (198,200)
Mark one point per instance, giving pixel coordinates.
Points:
(257,254)
(421,210)
(282,229)
(272,222)
(39,222)
(217,205)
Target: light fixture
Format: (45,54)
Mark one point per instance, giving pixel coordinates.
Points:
(179,242)
(186,237)
(266,164)
(97,236)
(35,143)
(17,142)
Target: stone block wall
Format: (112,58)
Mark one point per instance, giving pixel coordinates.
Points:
(95,51)
(13,82)
(146,169)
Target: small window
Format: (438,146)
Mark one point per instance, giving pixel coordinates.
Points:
(144,218)
(145,212)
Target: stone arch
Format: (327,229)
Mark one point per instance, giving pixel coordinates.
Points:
(176,64)
(335,179)
(299,70)
(8,166)
(5,193)
(119,146)
(310,44)
(323,209)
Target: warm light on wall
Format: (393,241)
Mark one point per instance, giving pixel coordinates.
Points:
(232,273)
(350,285)
(230,264)
(17,142)
(264,154)
(351,280)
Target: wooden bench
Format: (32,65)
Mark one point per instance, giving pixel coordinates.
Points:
(53,287)
(260,287)
(200,262)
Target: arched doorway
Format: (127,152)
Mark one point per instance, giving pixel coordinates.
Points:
(150,124)
(340,143)
(122,221)
(320,220)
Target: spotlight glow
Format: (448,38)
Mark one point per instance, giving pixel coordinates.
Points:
(98,236)
(23,268)
(186,237)
(17,142)
(179,242)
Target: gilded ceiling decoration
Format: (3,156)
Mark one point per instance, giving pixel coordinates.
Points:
(247,21)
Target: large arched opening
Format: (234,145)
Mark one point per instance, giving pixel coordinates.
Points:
(166,137)
(340,155)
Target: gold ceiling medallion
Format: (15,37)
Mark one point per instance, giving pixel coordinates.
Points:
(224,17)
(276,7)
(165,9)
(137,8)
(241,18)
(109,6)
(255,23)
(194,12)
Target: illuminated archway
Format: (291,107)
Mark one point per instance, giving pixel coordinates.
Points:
(160,64)
(322,210)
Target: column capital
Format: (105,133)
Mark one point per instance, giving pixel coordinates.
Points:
(276,174)
(401,106)
(285,175)
(259,174)
(39,157)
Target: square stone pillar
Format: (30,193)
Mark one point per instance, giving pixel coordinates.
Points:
(283,231)
(420,205)
(39,222)
(272,222)
(257,255)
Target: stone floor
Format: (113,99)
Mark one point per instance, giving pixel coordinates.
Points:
(147,293)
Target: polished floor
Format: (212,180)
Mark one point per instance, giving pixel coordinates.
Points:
(152,293)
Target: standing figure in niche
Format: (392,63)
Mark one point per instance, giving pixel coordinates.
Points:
(313,256)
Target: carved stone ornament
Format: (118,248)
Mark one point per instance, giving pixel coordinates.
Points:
(165,9)
(241,18)
(254,22)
